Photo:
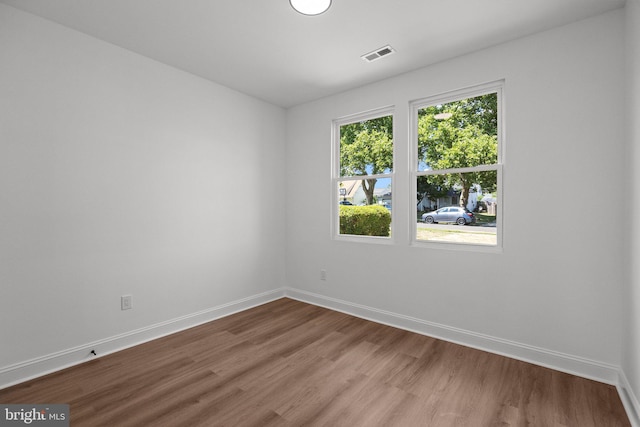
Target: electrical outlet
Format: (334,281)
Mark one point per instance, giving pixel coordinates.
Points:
(125,302)
(323,275)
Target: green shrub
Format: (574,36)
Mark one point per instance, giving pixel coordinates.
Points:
(373,220)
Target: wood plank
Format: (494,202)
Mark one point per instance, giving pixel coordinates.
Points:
(287,363)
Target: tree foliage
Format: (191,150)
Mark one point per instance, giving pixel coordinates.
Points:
(431,186)
(366,148)
(460,134)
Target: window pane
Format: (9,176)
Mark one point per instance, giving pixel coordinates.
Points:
(365,207)
(366,147)
(460,208)
(458,134)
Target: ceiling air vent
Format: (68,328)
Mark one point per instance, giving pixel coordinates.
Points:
(378,53)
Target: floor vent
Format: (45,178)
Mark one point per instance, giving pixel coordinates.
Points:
(378,53)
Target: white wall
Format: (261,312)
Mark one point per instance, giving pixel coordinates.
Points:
(558,286)
(120,175)
(631,325)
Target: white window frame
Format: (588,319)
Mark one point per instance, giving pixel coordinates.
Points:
(336,178)
(414,106)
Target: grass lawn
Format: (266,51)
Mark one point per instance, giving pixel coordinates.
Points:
(484,218)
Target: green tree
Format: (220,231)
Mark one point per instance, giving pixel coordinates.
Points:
(431,186)
(457,135)
(366,148)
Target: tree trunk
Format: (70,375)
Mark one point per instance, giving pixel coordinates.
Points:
(368,185)
(464,197)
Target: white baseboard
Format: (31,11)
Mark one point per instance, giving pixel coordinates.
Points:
(629,400)
(24,371)
(574,365)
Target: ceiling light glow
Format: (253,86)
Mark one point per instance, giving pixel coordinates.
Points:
(310,7)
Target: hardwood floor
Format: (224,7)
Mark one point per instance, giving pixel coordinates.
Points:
(288,363)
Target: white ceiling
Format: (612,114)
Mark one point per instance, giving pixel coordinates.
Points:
(266,49)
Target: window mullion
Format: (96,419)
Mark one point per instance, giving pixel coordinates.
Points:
(481,168)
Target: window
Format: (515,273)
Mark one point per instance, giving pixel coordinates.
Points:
(455,169)
(363,174)
(457,160)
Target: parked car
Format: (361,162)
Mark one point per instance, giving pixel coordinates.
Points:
(346,203)
(456,214)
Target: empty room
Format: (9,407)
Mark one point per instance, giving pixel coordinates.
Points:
(299,212)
